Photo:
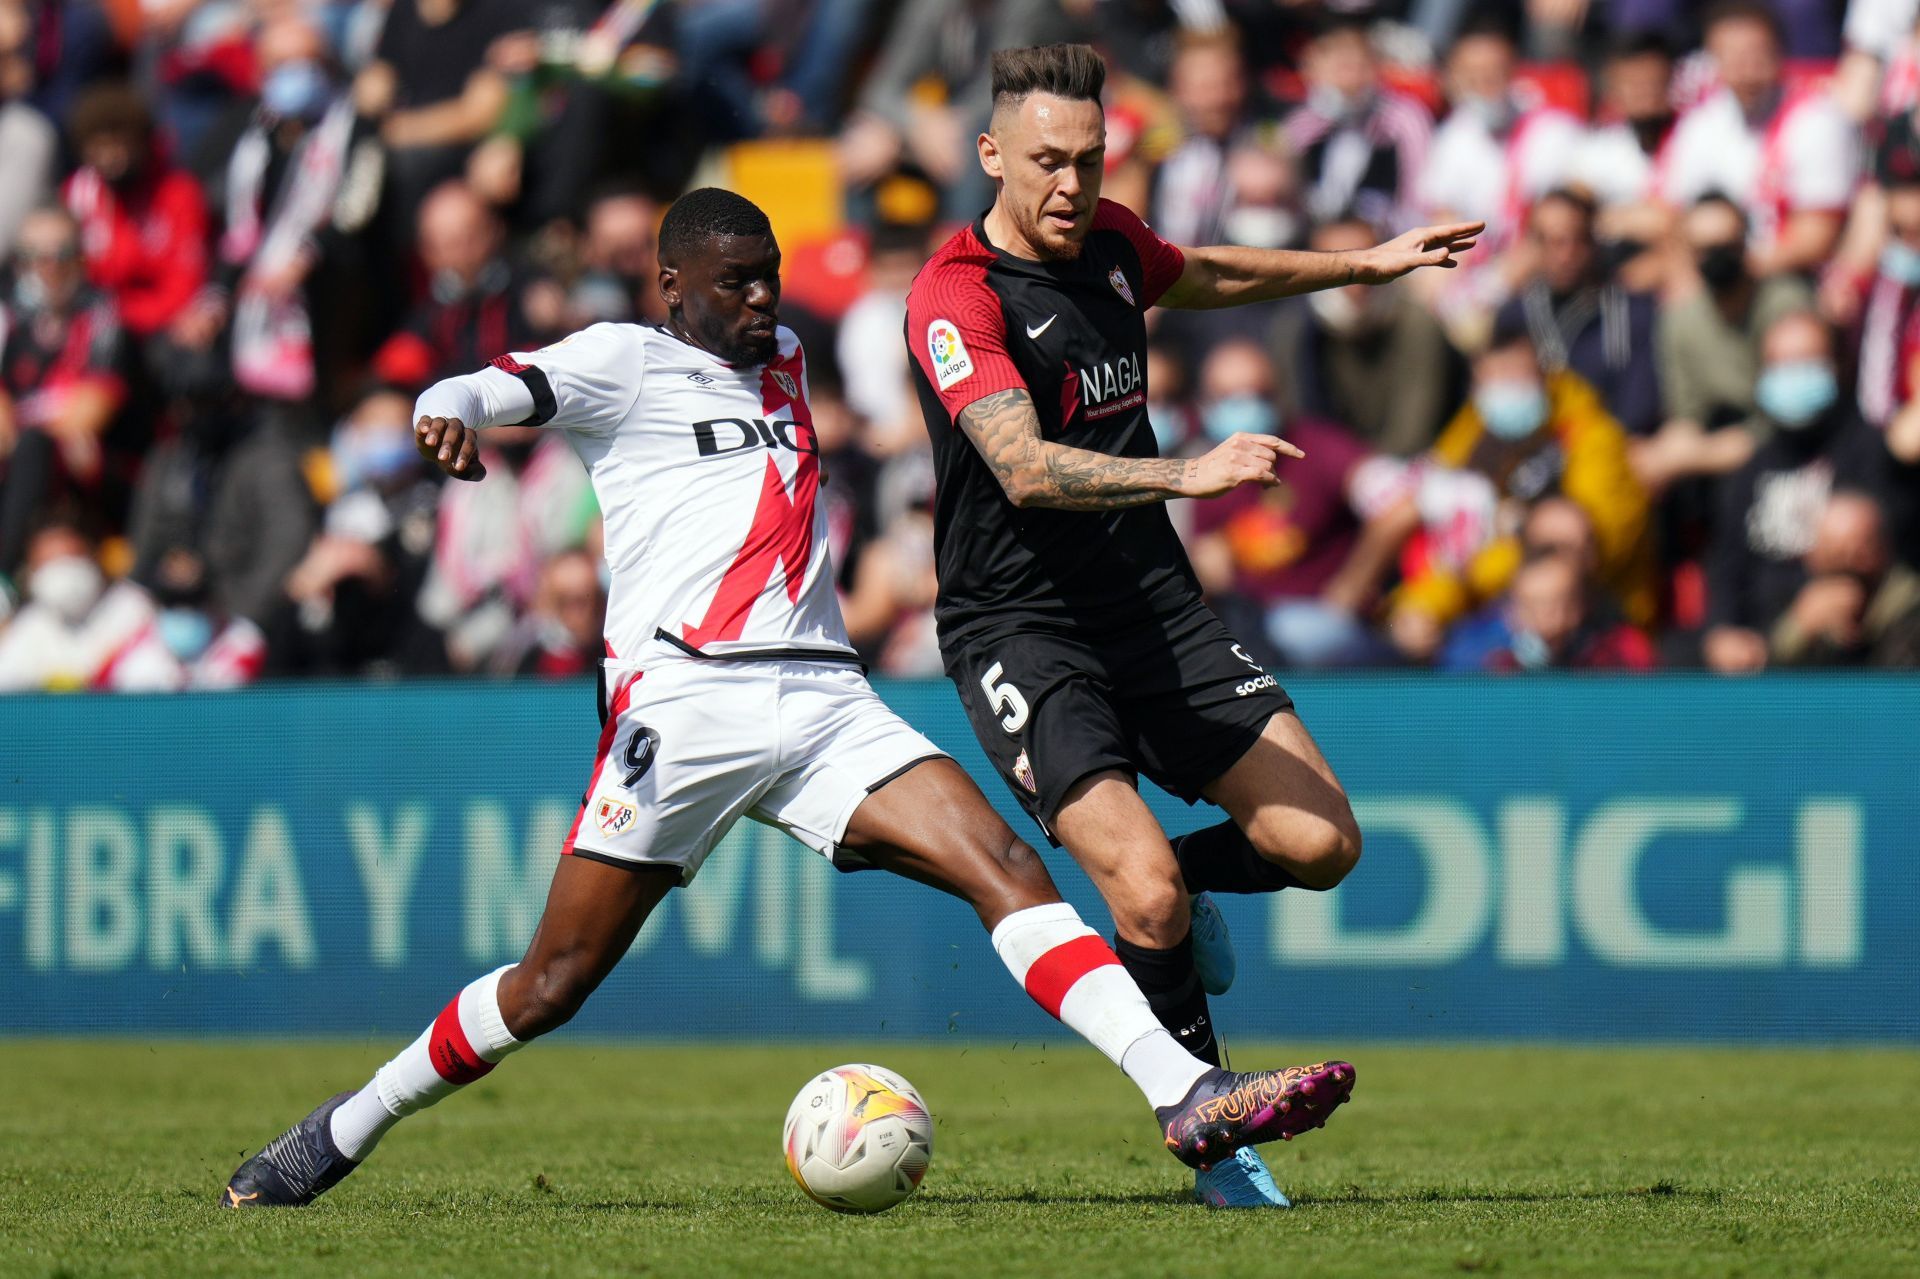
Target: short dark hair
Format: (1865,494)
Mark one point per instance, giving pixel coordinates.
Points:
(1745,11)
(705,212)
(1718,199)
(1071,71)
(1574,198)
(1649,42)
(1485,25)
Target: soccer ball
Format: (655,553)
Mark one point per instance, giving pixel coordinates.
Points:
(858,1138)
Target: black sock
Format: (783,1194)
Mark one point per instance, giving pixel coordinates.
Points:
(1172,987)
(1221,859)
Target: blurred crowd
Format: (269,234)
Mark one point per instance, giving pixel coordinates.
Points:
(1668,415)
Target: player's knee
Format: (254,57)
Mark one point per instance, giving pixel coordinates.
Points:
(1319,850)
(1009,874)
(546,996)
(1155,910)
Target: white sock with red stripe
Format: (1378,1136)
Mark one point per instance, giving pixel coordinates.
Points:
(466,1040)
(1075,976)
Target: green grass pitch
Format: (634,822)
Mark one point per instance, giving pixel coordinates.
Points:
(585,1159)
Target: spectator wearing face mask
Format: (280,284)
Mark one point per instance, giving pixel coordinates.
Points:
(61,381)
(189,644)
(144,227)
(1769,510)
(1302,564)
(1493,156)
(1889,356)
(1552,624)
(1709,343)
(1859,606)
(491,539)
(281,182)
(349,602)
(74,624)
(1789,158)
(1194,196)
(1362,146)
(1622,157)
(560,636)
(1370,357)
(619,281)
(1523,435)
(29,144)
(1581,318)
(476,303)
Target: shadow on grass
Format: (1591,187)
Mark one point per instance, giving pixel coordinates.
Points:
(1468,1195)
(948,1199)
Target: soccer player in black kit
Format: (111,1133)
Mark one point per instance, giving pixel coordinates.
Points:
(1069,617)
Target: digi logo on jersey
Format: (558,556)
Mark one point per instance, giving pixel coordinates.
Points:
(1113,385)
(719,435)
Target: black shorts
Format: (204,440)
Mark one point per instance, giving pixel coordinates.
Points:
(1177,700)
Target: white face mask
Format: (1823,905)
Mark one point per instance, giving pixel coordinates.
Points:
(69,586)
(1344,312)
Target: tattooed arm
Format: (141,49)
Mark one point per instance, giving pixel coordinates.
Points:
(1033,471)
(1227,275)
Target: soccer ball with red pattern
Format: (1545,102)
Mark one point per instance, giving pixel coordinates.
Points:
(858,1138)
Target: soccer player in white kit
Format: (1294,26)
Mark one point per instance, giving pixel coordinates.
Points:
(735,693)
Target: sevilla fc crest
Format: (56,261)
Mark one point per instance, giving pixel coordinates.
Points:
(613,817)
(1118,279)
(784,380)
(1023,773)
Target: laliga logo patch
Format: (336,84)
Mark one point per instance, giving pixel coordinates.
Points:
(1023,773)
(950,359)
(1118,279)
(784,380)
(613,816)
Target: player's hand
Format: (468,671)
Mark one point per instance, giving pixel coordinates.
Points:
(1423,246)
(450,445)
(1239,460)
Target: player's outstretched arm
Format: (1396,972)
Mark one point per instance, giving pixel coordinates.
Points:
(1227,275)
(1034,471)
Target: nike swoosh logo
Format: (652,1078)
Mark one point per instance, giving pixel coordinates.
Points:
(1034,333)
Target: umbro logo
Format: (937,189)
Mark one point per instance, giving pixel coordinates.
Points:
(699,379)
(1034,332)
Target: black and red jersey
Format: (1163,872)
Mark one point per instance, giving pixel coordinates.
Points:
(1073,334)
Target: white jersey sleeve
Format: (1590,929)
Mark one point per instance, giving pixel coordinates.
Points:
(586,382)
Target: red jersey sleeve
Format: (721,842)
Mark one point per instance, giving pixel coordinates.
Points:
(958,334)
(1160,262)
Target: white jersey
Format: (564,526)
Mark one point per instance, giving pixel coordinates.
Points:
(706,476)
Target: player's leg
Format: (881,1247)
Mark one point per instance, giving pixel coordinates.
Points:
(1115,838)
(673,770)
(594,911)
(932,824)
(1290,824)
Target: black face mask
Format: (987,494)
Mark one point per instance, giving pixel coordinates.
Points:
(1723,266)
(1649,129)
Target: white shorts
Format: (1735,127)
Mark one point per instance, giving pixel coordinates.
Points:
(691,747)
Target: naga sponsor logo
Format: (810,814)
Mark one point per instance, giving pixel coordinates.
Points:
(1112,385)
(719,435)
(1254,685)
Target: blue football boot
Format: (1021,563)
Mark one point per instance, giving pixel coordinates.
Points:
(1212,947)
(1240,1182)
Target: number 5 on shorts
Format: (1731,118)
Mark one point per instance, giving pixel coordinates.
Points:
(1004,697)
